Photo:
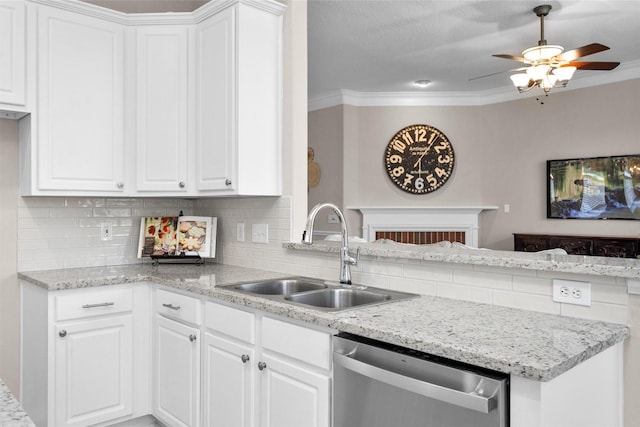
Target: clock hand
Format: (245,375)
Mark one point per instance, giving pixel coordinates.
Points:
(426,150)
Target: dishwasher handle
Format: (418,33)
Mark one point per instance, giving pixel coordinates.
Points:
(455,397)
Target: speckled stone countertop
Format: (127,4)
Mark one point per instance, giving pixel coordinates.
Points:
(525,343)
(550,260)
(11,413)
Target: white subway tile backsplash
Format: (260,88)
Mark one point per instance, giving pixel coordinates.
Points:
(422,287)
(428,271)
(483,279)
(466,293)
(58,233)
(533,285)
(525,301)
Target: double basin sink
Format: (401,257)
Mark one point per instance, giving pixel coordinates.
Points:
(318,294)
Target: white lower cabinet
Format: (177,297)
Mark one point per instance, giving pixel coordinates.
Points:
(94,367)
(261,371)
(229,382)
(83,355)
(176,372)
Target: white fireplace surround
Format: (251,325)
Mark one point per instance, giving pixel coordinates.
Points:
(423,218)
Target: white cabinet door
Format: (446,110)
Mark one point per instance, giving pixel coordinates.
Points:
(229,383)
(215,91)
(292,396)
(162,94)
(93,371)
(239,96)
(12,52)
(177,373)
(79,144)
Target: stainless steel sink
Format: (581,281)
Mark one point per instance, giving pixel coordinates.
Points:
(338,298)
(316,294)
(280,286)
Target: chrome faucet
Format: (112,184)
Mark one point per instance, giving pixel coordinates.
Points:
(346,260)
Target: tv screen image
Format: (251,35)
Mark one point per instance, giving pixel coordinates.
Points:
(594,188)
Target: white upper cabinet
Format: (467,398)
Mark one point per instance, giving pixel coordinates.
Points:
(162,109)
(12,53)
(182,104)
(79,137)
(239,85)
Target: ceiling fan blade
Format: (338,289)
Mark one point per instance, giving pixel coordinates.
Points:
(506,56)
(602,66)
(589,49)
(499,72)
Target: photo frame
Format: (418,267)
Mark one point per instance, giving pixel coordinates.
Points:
(177,236)
(594,188)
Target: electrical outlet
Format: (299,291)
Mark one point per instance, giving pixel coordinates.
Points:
(332,219)
(106,231)
(260,233)
(572,292)
(240,232)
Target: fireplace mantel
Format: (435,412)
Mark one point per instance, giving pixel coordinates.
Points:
(422,218)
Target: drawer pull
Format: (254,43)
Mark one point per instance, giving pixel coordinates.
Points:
(262,366)
(62,333)
(171,306)
(102,304)
(192,337)
(244,358)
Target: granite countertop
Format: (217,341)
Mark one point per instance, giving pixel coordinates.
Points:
(529,344)
(550,260)
(11,413)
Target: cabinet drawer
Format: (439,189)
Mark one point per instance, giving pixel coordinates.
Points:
(92,302)
(304,344)
(236,323)
(178,306)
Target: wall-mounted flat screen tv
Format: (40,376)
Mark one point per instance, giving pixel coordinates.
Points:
(594,188)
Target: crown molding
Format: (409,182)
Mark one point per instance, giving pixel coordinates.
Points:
(162,18)
(627,71)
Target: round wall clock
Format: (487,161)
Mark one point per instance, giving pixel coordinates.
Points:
(419,159)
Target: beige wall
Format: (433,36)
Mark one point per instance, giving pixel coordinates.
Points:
(500,152)
(9,290)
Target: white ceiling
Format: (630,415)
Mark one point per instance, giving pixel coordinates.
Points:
(385,45)
(382,46)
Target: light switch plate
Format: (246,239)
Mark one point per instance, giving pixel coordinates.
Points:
(240,232)
(260,233)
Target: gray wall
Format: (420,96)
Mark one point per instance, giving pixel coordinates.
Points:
(500,152)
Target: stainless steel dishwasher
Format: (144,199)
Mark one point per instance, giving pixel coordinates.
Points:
(378,384)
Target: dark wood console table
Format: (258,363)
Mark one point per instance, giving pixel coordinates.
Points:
(621,247)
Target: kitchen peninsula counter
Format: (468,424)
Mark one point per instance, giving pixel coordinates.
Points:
(11,413)
(528,344)
(553,260)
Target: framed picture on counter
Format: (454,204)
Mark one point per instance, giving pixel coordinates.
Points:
(177,236)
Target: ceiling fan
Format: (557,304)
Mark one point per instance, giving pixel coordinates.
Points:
(550,66)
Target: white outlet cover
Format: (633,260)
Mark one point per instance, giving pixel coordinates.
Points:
(106,231)
(579,293)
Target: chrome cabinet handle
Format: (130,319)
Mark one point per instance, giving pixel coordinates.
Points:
(102,304)
(262,366)
(62,333)
(171,306)
(227,182)
(182,184)
(244,358)
(192,337)
(120,185)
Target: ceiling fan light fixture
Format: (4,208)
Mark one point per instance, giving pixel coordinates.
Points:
(538,72)
(564,74)
(521,81)
(542,53)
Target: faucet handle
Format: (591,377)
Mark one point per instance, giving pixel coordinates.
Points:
(348,259)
